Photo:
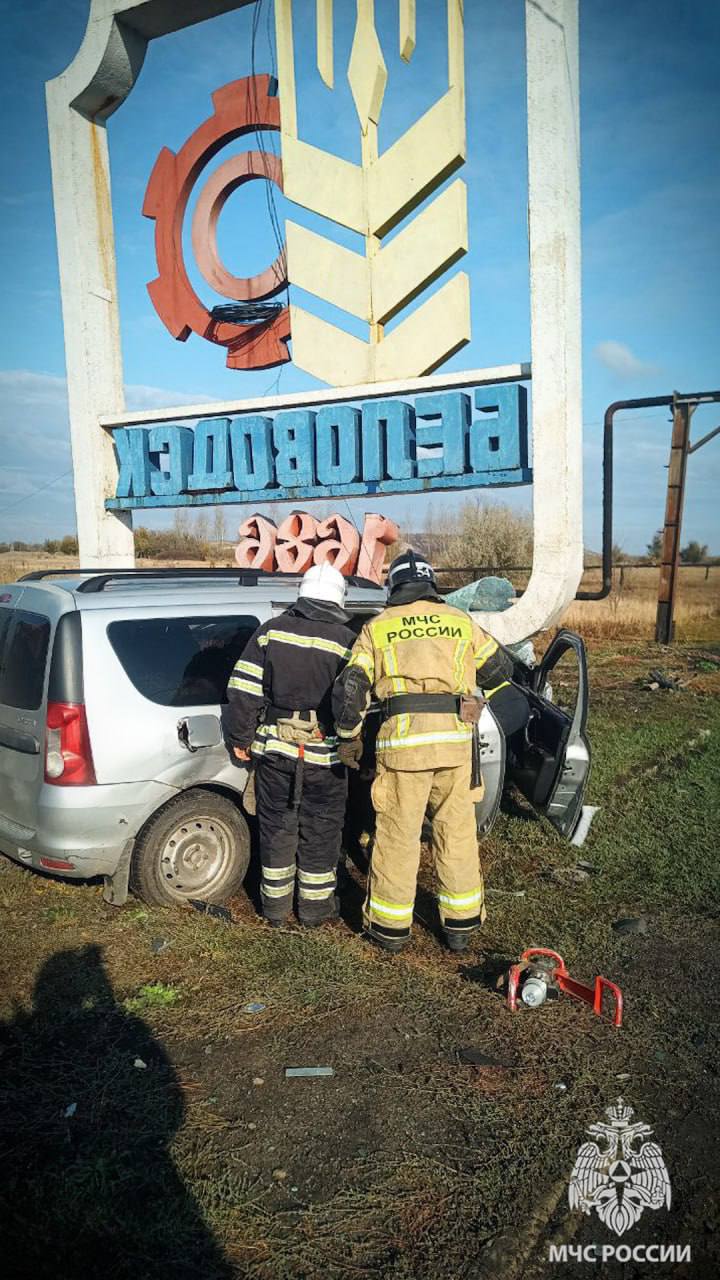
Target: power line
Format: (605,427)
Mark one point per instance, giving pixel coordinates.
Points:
(26,496)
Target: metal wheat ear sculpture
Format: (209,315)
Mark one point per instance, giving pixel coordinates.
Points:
(372,198)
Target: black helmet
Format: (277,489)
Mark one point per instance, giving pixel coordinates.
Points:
(410,567)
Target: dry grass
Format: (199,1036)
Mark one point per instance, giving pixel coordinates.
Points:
(14,564)
(631,607)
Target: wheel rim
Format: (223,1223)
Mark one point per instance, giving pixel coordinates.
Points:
(196,856)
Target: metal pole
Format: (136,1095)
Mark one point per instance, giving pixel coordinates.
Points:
(677,471)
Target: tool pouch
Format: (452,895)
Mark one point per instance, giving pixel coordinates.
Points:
(470,708)
(299,727)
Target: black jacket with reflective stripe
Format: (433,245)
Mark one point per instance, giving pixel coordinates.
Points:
(290,663)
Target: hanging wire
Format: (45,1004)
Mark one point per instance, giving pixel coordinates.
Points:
(26,496)
(260,134)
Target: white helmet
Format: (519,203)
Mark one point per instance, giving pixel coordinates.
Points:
(323,582)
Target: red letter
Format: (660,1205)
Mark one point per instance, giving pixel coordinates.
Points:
(378,533)
(257,544)
(299,535)
(339,543)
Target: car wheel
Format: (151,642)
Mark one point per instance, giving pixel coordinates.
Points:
(198,846)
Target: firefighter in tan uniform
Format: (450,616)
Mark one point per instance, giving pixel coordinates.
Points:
(422,659)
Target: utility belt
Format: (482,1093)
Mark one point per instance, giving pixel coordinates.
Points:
(297,727)
(467,707)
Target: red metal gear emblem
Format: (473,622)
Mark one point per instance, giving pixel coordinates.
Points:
(241,107)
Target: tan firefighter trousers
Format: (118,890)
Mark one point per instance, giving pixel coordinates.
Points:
(401,799)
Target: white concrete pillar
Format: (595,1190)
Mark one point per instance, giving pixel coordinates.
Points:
(554,231)
(79,101)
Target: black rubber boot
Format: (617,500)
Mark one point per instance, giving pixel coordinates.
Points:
(457,941)
(392,945)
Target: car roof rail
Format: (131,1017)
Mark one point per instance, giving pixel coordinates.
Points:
(38,574)
(98,579)
(243,577)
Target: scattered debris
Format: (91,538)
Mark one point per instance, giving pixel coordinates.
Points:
(279,1175)
(141,1066)
(208,1050)
(158,945)
(298,1072)
(70,1110)
(565,875)
(623,1075)
(587,815)
(583,865)
(255,1006)
(476,1058)
(209,909)
(631,924)
(506,893)
(659,680)
(560,1086)
(258,1080)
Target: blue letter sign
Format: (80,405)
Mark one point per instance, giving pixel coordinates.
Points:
(466,439)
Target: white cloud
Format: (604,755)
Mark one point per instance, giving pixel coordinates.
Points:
(36,499)
(619,359)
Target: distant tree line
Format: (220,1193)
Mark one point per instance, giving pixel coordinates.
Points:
(693,553)
(66,546)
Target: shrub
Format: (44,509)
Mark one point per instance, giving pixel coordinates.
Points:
(479,534)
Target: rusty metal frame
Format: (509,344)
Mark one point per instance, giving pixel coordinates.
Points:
(674,400)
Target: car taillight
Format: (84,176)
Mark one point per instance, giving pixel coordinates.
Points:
(68,758)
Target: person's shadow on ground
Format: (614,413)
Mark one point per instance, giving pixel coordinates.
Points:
(87,1184)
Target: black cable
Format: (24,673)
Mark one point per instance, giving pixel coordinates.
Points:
(26,496)
(249,312)
(261,140)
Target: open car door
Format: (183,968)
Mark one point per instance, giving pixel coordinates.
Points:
(549,761)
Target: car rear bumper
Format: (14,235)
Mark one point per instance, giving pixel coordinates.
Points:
(88,827)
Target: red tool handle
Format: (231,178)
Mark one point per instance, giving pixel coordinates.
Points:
(593,995)
(544,951)
(513,979)
(616,992)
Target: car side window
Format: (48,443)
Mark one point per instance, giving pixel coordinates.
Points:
(181,662)
(24,643)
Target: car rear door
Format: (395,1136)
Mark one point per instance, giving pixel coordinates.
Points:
(155,678)
(27,621)
(549,762)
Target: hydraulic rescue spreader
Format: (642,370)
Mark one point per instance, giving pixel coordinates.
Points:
(540,974)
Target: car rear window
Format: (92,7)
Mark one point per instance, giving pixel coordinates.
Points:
(181,662)
(24,643)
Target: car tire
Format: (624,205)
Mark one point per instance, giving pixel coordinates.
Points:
(197,846)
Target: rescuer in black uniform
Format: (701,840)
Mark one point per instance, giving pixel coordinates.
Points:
(279,713)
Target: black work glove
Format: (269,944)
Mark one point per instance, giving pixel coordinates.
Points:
(350,752)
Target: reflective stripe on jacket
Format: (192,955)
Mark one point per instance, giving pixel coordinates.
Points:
(424,647)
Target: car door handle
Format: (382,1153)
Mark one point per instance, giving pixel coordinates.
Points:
(16,740)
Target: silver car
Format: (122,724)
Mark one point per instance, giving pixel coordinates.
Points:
(112,761)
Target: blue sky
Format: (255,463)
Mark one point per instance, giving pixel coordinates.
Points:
(650,106)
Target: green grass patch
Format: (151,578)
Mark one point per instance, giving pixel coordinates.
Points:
(154,995)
